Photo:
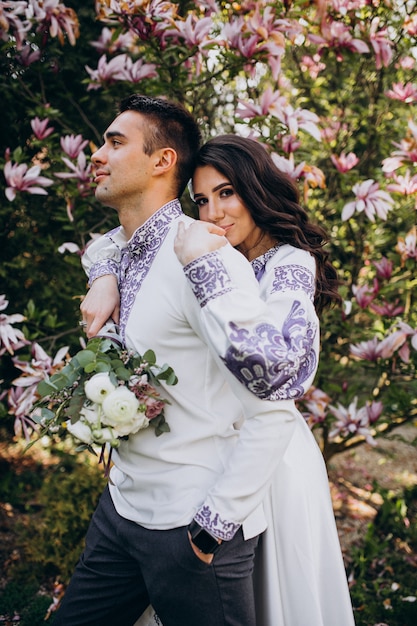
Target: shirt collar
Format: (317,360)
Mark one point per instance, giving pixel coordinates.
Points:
(259,264)
(144,237)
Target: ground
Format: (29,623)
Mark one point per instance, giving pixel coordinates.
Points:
(392,463)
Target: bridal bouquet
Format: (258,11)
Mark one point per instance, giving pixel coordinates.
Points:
(103,394)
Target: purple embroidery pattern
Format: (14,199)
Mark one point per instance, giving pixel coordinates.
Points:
(259,264)
(139,254)
(271,364)
(294,278)
(106,266)
(208,277)
(215,525)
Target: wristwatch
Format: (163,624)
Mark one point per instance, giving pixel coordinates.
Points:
(202,538)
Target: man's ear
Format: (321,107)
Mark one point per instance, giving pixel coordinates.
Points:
(165,160)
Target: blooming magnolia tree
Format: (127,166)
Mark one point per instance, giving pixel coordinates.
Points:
(327,86)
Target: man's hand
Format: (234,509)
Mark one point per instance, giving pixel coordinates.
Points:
(196,240)
(101,303)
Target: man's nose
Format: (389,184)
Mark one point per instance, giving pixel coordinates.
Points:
(98,156)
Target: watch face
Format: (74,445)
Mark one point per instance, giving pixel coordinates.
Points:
(204,541)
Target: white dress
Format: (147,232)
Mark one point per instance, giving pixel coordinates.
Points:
(299,577)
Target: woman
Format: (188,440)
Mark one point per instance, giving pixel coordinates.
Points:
(300,578)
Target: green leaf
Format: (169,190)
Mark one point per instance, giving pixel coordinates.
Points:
(84,357)
(102,366)
(90,367)
(45,388)
(149,357)
(123,373)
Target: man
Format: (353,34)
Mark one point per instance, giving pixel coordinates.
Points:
(178,525)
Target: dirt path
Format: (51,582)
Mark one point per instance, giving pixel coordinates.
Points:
(392,463)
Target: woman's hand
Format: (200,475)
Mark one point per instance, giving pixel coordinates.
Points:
(196,240)
(101,303)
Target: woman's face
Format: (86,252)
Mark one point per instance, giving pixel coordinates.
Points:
(219,204)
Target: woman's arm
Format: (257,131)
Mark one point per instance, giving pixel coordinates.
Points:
(101,261)
(268,341)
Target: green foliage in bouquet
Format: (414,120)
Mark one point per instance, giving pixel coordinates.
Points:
(104,393)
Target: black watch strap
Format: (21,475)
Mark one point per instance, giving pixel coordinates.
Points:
(202,538)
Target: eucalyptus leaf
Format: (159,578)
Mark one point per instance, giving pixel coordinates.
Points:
(45,388)
(149,357)
(84,357)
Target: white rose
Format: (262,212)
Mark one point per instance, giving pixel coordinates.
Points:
(98,387)
(80,430)
(121,411)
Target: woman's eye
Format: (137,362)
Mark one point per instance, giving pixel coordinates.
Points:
(200,201)
(226,192)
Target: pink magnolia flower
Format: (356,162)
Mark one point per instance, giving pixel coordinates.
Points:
(316,402)
(72,145)
(11,339)
(391,343)
(407,150)
(404,92)
(370,199)
(388,309)
(120,67)
(69,246)
(364,294)
(296,119)
(313,65)
(345,6)
(410,24)
(136,71)
(107,43)
(351,421)
(193,31)
(26,56)
(267,100)
(290,144)
(367,350)
(406,246)
(81,170)
(20,402)
(21,178)
(343,163)
(55,17)
(14,22)
(40,128)
(374,349)
(405,185)
(384,268)
(107,72)
(337,35)
(313,176)
(40,366)
(288,166)
(374,410)
(410,332)
(381,43)
(407,62)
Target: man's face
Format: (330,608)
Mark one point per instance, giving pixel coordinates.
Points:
(122,169)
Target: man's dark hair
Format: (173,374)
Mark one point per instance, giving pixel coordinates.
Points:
(170,126)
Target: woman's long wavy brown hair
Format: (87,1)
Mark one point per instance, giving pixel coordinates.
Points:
(273,200)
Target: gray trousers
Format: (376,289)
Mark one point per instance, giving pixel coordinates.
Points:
(126,567)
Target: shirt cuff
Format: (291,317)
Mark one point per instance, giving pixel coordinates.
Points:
(215,525)
(208,277)
(102,268)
